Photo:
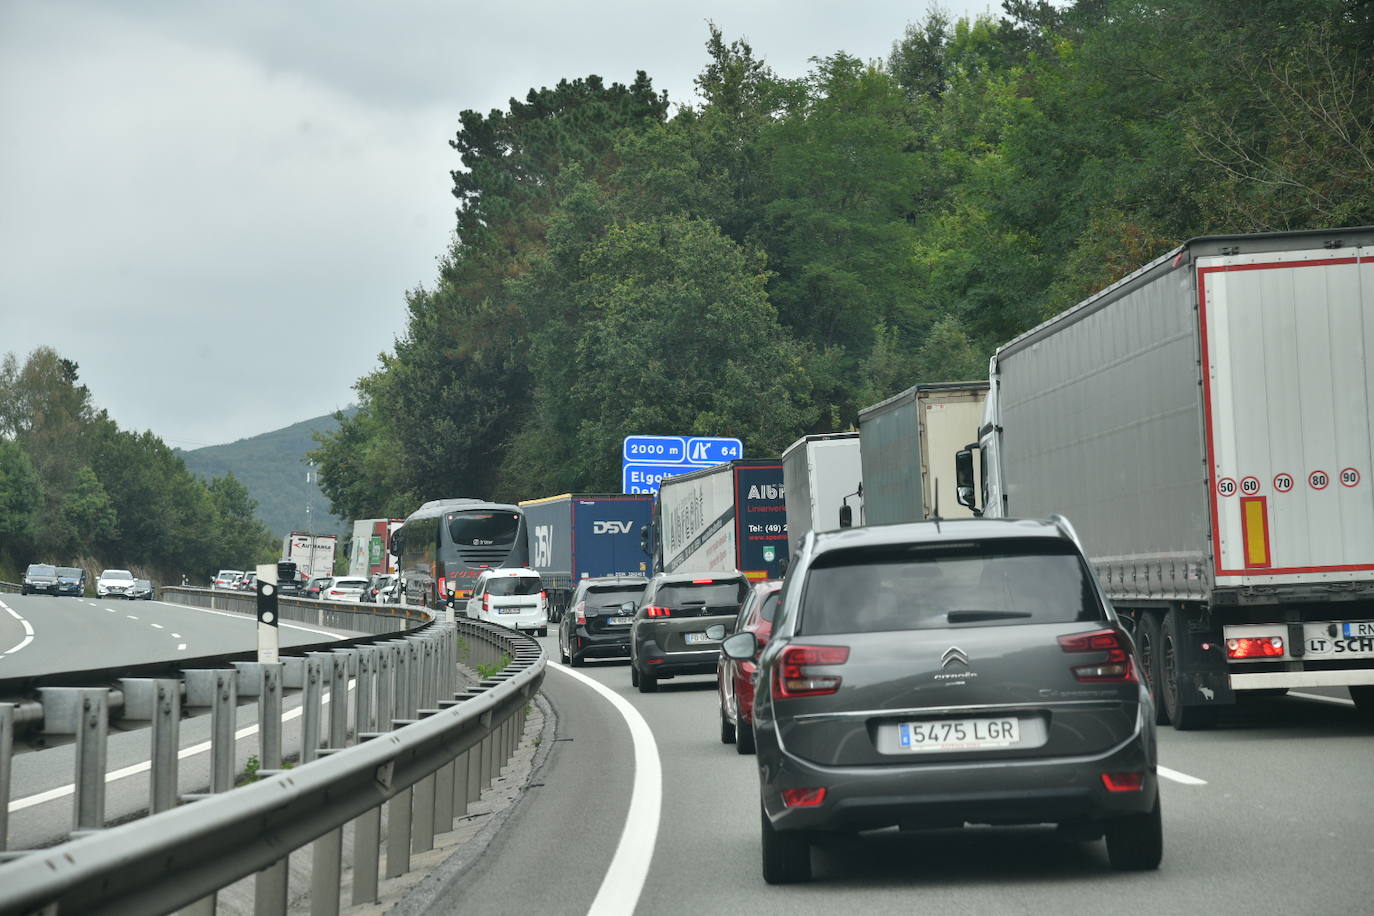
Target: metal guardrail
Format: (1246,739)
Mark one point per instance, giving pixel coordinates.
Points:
(10,587)
(421,748)
(361,617)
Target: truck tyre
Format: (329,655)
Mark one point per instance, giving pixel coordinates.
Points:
(1364,701)
(786,854)
(727,728)
(1136,842)
(1147,641)
(1184,717)
(744,738)
(648,683)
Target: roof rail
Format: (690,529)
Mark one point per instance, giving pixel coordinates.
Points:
(1065,526)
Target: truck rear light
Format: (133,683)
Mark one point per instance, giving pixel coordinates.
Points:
(1116,668)
(793,678)
(1254,647)
(654,611)
(443,586)
(1123,782)
(803,798)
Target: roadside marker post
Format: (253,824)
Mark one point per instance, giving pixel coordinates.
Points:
(269,640)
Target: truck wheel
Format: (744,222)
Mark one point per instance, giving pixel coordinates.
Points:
(786,854)
(1136,842)
(727,728)
(1147,640)
(1184,718)
(1364,701)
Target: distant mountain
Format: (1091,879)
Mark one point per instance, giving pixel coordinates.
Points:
(273,468)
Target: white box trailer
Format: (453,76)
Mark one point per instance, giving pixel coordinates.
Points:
(820,475)
(907,445)
(1205,424)
(313,554)
(729,516)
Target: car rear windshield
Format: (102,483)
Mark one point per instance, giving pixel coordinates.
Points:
(613,596)
(514,585)
(69,571)
(920,587)
(483,529)
(727,596)
(39,570)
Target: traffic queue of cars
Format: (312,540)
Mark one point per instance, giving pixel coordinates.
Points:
(920,676)
(45,578)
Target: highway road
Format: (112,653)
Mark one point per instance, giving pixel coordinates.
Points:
(1266,814)
(40,634)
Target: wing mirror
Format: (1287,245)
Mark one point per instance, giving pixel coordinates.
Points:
(716,632)
(963,479)
(741,647)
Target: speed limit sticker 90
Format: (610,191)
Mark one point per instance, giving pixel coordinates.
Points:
(1350,477)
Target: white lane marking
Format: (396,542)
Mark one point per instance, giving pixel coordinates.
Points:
(131,616)
(92,604)
(1178,777)
(29,801)
(28,631)
(112,610)
(1339,701)
(181,647)
(176,635)
(158,626)
(624,879)
(251,619)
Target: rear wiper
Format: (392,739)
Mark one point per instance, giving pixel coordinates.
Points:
(976,616)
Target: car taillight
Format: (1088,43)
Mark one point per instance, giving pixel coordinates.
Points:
(702,581)
(792,677)
(543,596)
(443,585)
(1254,647)
(803,798)
(1123,782)
(1117,667)
(486,604)
(654,611)
(581,612)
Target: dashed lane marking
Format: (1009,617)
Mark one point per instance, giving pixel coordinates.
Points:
(1182,778)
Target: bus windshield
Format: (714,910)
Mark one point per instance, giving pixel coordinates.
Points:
(483,529)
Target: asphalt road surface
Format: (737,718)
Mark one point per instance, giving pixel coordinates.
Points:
(40,634)
(1268,813)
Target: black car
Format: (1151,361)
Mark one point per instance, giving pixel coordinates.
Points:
(669,635)
(39,577)
(599,617)
(71,580)
(933,674)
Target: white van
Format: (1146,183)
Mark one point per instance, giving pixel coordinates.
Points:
(512,597)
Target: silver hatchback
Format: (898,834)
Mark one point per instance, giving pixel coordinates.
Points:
(943,673)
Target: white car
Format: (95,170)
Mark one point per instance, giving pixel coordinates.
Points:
(344,588)
(115,583)
(513,597)
(226,578)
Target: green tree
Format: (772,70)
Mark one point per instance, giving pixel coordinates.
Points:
(88,517)
(240,539)
(21,501)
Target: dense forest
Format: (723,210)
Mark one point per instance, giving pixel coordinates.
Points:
(76,489)
(770,256)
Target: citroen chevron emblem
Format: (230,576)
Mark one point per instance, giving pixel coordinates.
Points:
(953,654)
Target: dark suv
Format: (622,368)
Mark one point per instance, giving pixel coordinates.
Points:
(939,673)
(669,636)
(39,577)
(71,580)
(597,623)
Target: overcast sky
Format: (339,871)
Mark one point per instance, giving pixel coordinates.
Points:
(215,208)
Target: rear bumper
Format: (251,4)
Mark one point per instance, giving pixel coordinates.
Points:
(1054,790)
(517,621)
(601,645)
(652,660)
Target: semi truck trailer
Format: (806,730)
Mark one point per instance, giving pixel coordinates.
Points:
(907,445)
(579,536)
(729,516)
(1205,424)
(820,478)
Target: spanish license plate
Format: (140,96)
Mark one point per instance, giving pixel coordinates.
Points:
(621,621)
(958,734)
(693,639)
(510,610)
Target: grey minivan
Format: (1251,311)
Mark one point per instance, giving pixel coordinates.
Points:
(942,673)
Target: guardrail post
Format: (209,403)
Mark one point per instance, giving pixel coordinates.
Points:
(217,688)
(269,890)
(269,717)
(6,750)
(362,690)
(83,712)
(386,679)
(326,867)
(398,834)
(157,700)
(422,815)
(338,698)
(460,783)
(328,663)
(310,709)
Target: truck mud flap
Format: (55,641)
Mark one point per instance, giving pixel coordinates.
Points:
(1203,674)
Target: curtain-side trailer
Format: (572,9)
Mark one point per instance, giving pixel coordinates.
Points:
(729,516)
(820,475)
(1206,425)
(907,445)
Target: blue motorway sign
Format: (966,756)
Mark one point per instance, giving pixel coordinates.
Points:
(709,450)
(645,478)
(655,450)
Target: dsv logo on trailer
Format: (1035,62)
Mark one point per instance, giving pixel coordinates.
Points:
(608,527)
(543,546)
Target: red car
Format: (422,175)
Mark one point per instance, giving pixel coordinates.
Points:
(735,679)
